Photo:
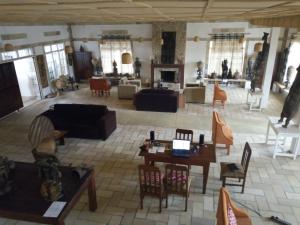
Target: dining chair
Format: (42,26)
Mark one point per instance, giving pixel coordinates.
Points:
(219,95)
(177,181)
(236,170)
(151,184)
(184,134)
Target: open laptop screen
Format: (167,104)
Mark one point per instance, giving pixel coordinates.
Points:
(181,145)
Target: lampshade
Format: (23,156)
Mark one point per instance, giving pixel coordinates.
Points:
(69,49)
(258,47)
(126,58)
(8,47)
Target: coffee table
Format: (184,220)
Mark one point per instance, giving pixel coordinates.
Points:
(203,157)
(26,203)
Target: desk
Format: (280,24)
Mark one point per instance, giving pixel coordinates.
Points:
(26,203)
(204,157)
(291,131)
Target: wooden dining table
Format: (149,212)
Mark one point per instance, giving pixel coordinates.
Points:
(203,156)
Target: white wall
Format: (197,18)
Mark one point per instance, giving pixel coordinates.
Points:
(196,51)
(142,50)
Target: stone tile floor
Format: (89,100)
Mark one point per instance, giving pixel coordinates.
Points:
(273,185)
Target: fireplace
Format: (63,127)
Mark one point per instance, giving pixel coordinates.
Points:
(168,76)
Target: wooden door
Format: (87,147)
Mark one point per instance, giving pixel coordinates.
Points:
(10,95)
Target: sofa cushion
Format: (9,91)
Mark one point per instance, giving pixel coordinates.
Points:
(231,217)
(156,91)
(80,110)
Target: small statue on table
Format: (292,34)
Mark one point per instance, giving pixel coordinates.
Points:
(6,182)
(48,172)
(200,66)
(224,69)
(137,67)
(292,101)
(115,69)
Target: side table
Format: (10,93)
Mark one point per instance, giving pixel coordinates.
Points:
(254,100)
(281,133)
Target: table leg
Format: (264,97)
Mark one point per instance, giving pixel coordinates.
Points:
(276,147)
(62,140)
(92,193)
(267,135)
(205,176)
(59,222)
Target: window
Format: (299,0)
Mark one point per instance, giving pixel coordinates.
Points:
(226,46)
(56,60)
(112,50)
(16,54)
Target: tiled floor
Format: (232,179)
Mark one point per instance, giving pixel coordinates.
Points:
(273,185)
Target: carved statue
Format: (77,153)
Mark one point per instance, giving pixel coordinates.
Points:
(292,101)
(289,74)
(115,70)
(224,69)
(5,177)
(200,66)
(259,65)
(48,172)
(137,67)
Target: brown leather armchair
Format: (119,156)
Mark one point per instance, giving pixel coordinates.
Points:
(219,95)
(221,132)
(222,213)
(100,86)
(105,86)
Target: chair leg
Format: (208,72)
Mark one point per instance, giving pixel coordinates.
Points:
(160,200)
(186,202)
(166,200)
(224,182)
(141,201)
(243,187)
(228,149)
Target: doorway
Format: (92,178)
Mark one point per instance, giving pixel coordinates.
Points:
(27,79)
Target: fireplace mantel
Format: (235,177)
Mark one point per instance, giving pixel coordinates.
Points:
(180,71)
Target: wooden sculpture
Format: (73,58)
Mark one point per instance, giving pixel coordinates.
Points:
(292,101)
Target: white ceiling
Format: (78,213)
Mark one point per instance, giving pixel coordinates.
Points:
(133,11)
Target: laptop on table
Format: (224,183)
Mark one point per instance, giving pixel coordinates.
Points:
(181,148)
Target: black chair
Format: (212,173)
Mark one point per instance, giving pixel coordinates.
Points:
(236,170)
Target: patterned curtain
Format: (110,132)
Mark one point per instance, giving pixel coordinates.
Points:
(226,46)
(112,50)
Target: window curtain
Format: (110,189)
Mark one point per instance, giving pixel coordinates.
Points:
(226,46)
(112,50)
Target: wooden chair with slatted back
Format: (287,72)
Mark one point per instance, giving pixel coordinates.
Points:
(42,135)
(177,181)
(240,172)
(151,184)
(184,134)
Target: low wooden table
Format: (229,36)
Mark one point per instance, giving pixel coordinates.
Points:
(26,203)
(203,157)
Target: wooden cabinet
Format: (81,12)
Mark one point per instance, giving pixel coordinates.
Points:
(83,65)
(10,95)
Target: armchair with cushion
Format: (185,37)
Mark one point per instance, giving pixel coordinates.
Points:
(221,132)
(219,95)
(127,91)
(228,213)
